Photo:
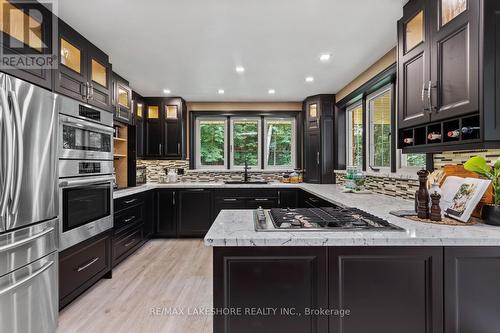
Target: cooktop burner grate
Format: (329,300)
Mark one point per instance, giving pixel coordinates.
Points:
(325,218)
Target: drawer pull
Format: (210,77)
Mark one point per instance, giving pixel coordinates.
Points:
(129,219)
(261,199)
(130,201)
(227,199)
(84,267)
(130,243)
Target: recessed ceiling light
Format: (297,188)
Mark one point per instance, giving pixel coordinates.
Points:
(240,69)
(166,91)
(220,91)
(271,91)
(325,57)
(309,79)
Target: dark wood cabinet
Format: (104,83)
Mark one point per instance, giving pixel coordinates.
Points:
(318,139)
(153,128)
(132,225)
(446,75)
(472,295)
(166,213)
(121,100)
(18,47)
(454,60)
(194,212)
(288,279)
(287,198)
(414,64)
(84,71)
(165,124)
(386,289)
(83,265)
(139,121)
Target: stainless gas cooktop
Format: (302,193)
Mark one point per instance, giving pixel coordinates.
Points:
(320,219)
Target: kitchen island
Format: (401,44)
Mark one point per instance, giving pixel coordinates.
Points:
(427,278)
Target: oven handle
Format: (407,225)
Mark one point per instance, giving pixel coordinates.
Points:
(88,126)
(93,180)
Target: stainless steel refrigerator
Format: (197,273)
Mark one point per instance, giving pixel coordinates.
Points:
(28,207)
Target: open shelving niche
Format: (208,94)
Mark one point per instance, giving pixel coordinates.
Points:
(120,154)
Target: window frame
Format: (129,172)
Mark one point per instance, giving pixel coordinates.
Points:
(232,120)
(369,128)
(293,143)
(349,112)
(197,137)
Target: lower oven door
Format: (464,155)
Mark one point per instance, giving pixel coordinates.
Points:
(29,297)
(86,209)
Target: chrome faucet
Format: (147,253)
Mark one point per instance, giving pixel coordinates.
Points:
(245,174)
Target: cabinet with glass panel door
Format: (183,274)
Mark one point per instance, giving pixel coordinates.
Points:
(164,122)
(84,71)
(122,99)
(18,45)
(446,72)
(139,121)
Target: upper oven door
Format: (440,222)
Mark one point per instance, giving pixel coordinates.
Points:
(85,201)
(80,139)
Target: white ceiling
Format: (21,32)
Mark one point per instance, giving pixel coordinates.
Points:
(193,46)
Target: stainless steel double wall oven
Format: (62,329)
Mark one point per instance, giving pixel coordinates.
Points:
(85,172)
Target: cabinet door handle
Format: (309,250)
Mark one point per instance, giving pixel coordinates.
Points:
(91,85)
(173,198)
(423,95)
(261,199)
(279,198)
(178,148)
(130,201)
(84,267)
(429,96)
(129,219)
(159,149)
(130,243)
(317,157)
(229,199)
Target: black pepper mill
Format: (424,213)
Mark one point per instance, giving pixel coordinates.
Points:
(435,209)
(423,195)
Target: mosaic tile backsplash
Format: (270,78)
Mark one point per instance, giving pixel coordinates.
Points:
(400,187)
(460,157)
(155,171)
(396,186)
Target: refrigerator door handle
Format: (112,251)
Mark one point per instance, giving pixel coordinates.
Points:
(26,279)
(26,240)
(9,154)
(20,152)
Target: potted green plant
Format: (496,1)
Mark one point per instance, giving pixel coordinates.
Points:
(490,213)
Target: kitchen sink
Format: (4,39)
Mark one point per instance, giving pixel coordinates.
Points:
(241,182)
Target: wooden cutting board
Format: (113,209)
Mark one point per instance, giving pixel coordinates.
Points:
(459,171)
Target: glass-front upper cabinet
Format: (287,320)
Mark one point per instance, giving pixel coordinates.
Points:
(71,56)
(414,31)
(26,28)
(99,73)
(122,100)
(171,112)
(450,9)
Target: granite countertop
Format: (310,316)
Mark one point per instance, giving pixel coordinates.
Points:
(150,186)
(236,227)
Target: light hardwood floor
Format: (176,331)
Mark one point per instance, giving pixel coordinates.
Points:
(162,274)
